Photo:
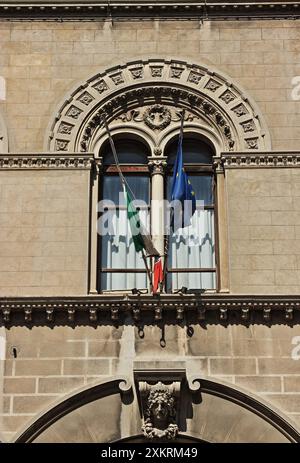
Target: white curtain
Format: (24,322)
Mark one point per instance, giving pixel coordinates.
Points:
(117,249)
(193,247)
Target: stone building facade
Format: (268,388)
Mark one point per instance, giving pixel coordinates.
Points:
(79,363)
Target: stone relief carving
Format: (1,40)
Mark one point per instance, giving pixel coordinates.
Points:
(252,143)
(117,78)
(101,86)
(74,112)
(65,128)
(177,85)
(157,117)
(137,73)
(160,414)
(212,85)
(156,71)
(86,98)
(176,72)
(228,96)
(61,145)
(248,126)
(240,110)
(194,77)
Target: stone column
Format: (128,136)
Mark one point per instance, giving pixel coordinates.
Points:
(222,228)
(94,198)
(157,169)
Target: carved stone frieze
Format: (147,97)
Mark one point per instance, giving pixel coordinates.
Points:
(100,306)
(261,159)
(123,92)
(46,161)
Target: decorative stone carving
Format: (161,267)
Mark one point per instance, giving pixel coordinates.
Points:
(194,77)
(101,86)
(117,78)
(132,115)
(137,73)
(181,85)
(86,98)
(157,117)
(212,85)
(156,71)
(240,110)
(74,112)
(248,126)
(160,414)
(61,145)
(175,72)
(252,143)
(227,96)
(65,128)
(157,166)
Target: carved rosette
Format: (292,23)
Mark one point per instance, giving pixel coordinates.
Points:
(158,85)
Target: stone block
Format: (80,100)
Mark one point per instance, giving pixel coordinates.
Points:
(37,367)
(291,383)
(59,384)
(31,403)
(103,349)
(283,366)
(19,385)
(86,367)
(232,366)
(62,349)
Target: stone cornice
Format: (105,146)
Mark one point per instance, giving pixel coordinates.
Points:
(260,159)
(133,9)
(113,307)
(46,161)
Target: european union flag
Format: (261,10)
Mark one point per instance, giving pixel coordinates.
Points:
(182,191)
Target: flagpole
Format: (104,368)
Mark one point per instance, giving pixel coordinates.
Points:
(167,242)
(124,183)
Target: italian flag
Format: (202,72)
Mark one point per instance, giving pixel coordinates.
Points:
(142,240)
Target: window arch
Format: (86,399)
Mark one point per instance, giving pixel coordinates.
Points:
(192,250)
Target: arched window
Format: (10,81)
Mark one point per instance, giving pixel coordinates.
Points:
(121,267)
(192,250)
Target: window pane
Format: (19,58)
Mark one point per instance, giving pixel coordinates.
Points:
(202,185)
(194,152)
(117,247)
(121,281)
(128,152)
(112,188)
(192,281)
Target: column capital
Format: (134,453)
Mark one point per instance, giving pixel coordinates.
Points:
(157,166)
(218,165)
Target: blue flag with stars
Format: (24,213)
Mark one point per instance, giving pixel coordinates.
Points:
(182,191)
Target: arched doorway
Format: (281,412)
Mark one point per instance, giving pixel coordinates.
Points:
(109,412)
